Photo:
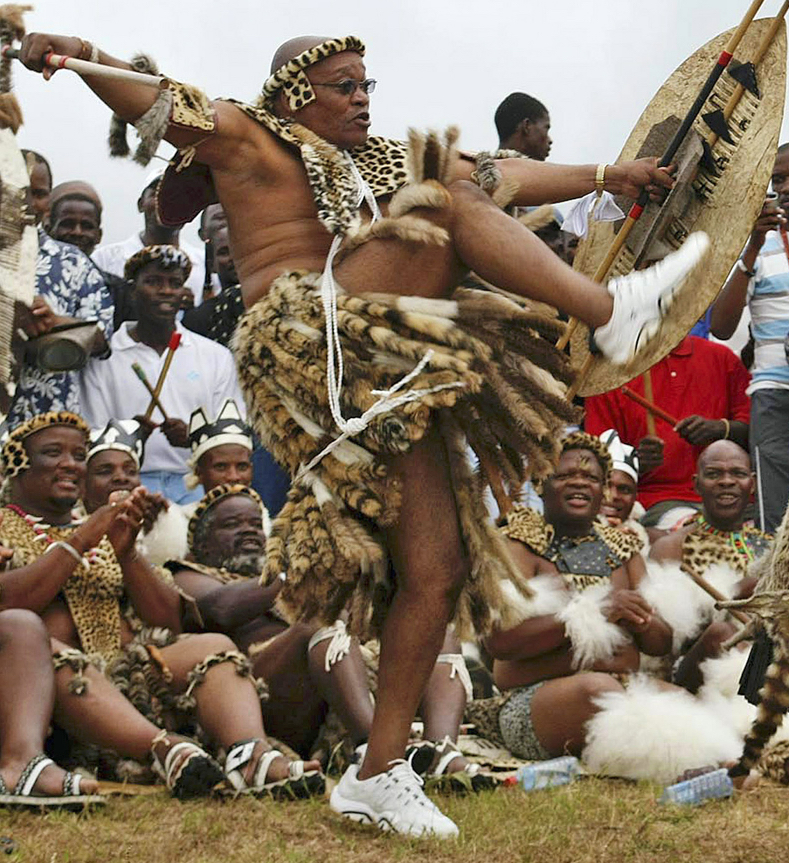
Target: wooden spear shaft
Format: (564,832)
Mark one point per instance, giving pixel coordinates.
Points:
(175,340)
(739,90)
(650,396)
(643,199)
(649,406)
(719,597)
(138,370)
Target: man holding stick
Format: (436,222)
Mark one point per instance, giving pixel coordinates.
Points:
(197,372)
(701,386)
(760,280)
(387,521)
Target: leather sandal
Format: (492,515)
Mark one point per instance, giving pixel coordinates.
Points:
(299,784)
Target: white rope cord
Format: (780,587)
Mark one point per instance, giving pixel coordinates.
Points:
(387,399)
(339,643)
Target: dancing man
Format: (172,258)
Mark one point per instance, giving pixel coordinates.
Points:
(349,249)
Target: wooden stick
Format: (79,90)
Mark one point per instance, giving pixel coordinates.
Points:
(650,406)
(97,70)
(137,369)
(493,475)
(638,207)
(175,339)
(650,396)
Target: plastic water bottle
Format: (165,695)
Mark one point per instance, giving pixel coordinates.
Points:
(691,792)
(548,774)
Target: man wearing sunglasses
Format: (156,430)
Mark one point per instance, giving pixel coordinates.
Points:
(360,236)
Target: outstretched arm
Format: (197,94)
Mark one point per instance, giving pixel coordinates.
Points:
(547,183)
(131,100)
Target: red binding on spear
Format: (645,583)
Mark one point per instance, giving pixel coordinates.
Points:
(85,67)
(175,340)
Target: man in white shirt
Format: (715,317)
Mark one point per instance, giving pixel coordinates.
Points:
(112,257)
(202,372)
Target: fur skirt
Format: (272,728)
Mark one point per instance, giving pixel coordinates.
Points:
(503,396)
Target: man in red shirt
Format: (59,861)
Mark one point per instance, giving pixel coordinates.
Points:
(702,384)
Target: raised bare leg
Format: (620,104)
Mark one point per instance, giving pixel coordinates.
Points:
(27,697)
(507,254)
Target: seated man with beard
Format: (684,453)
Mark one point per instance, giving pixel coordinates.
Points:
(307,668)
(104,605)
(587,622)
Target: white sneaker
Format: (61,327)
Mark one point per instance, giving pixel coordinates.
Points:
(642,299)
(393,800)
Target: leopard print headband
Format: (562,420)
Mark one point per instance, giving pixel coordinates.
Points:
(216,494)
(169,257)
(15,459)
(583,440)
(292,78)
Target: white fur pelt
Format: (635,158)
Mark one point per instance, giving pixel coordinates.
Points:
(550,595)
(720,693)
(652,734)
(593,637)
(685,607)
(166,539)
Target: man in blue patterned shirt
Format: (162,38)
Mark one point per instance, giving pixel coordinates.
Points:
(69,288)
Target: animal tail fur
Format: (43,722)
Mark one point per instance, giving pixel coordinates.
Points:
(774,703)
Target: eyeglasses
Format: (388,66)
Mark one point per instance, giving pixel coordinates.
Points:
(347,87)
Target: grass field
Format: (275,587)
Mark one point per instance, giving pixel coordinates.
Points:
(591,820)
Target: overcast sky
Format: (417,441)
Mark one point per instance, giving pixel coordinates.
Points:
(594,63)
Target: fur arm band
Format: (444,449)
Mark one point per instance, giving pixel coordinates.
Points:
(593,637)
(179,105)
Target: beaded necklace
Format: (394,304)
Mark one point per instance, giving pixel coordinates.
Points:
(737,539)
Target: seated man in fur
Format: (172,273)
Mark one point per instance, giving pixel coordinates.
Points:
(107,610)
(587,622)
(716,545)
(308,668)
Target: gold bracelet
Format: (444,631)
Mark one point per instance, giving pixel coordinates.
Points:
(599,178)
(728,428)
